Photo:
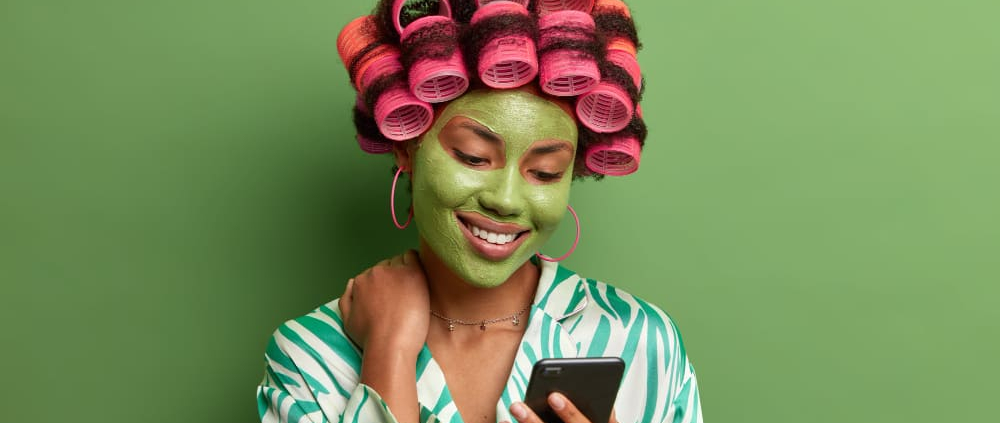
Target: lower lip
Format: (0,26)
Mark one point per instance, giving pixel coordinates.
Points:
(493,252)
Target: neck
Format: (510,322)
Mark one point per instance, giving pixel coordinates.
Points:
(452,296)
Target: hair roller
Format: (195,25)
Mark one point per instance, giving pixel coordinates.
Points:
(520,2)
(432,55)
(506,57)
(568,44)
(628,62)
(614,21)
(545,7)
(358,45)
(399,114)
(408,7)
(605,109)
(611,6)
(368,137)
(621,51)
(618,155)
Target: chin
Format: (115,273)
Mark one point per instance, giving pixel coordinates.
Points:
(486,274)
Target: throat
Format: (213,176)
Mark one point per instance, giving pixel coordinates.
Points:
(455,298)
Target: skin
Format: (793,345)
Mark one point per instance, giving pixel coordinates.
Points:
(497,180)
(500,159)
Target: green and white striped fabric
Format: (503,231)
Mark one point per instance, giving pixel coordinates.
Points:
(313,369)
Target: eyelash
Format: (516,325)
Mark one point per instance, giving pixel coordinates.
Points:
(470,160)
(547,177)
(480,161)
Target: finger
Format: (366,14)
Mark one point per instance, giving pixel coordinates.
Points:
(523,413)
(396,261)
(345,300)
(413,259)
(565,409)
(367,272)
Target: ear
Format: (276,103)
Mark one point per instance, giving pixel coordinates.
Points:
(404,154)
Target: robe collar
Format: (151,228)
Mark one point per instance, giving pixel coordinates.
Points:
(560,295)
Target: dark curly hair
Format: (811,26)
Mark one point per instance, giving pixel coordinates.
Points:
(439,41)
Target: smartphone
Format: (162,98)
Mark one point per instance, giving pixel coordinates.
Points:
(590,383)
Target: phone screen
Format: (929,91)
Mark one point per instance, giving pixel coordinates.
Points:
(590,383)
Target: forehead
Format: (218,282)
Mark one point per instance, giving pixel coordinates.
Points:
(519,117)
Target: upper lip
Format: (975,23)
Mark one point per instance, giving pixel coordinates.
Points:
(490,225)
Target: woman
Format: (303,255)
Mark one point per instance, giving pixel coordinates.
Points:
(450,332)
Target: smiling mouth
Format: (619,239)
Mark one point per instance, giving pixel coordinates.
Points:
(493,240)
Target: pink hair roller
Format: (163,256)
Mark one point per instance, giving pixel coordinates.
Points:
(432,80)
(620,157)
(399,114)
(611,6)
(506,62)
(444,9)
(564,73)
(372,146)
(605,109)
(369,145)
(550,6)
(628,62)
(520,2)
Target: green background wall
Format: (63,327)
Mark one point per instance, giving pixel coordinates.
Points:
(817,205)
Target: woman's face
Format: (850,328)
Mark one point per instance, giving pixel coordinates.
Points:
(491,181)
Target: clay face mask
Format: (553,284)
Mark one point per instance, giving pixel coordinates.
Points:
(491,181)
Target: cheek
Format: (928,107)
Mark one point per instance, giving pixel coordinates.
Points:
(441,182)
(549,205)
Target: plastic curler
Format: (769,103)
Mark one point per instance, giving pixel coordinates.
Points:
(369,145)
(520,2)
(368,59)
(444,9)
(605,109)
(509,61)
(545,7)
(566,72)
(623,44)
(373,147)
(619,157)
(437,80)
(628,62)
(399,114)
(357,45)
(611,6)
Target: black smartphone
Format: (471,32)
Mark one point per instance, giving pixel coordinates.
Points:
(590,383)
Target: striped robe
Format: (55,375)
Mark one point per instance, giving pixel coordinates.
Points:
(312,373)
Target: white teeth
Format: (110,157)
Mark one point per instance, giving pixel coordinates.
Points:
(492,237)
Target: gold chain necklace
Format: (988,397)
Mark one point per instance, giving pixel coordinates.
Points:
(481,323)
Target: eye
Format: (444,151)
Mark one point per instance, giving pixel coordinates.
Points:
(470,159)
(546,176)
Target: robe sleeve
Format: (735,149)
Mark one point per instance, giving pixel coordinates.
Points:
(686,403)
(305,384)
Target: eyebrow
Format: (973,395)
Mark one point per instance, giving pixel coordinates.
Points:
(550,148)
(482,132)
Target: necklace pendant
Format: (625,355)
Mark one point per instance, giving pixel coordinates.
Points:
(516,321)
(482,326)
(451,327)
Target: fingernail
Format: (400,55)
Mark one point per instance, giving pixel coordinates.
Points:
(517,409)
(557,402)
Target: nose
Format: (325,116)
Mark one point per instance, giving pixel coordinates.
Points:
(503,196)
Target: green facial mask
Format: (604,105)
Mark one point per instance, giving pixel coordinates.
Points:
(444,187)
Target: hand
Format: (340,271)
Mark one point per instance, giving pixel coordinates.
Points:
(388,304)
(560,404)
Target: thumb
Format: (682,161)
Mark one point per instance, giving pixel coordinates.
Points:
(345,300)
